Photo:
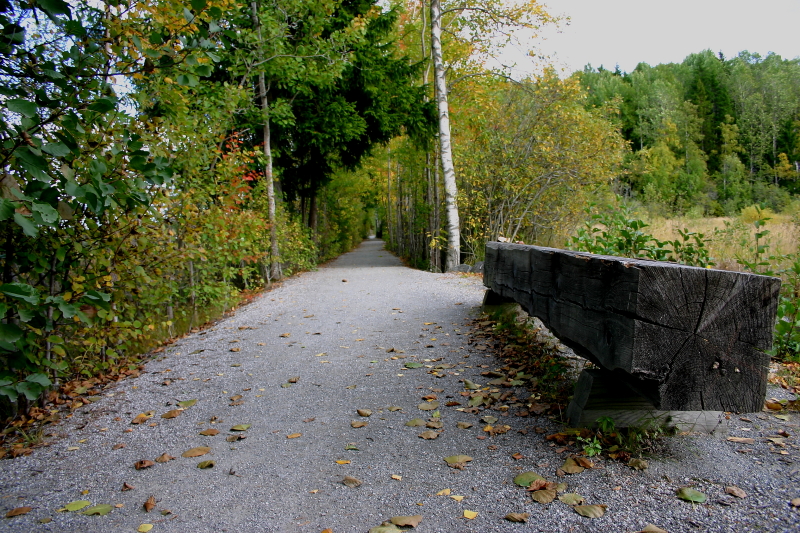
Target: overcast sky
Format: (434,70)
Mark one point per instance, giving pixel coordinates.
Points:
(626,32)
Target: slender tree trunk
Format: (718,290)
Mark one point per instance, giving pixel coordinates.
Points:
(389,228)
(450,189)
(275,256)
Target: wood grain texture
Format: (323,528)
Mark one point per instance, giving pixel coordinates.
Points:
(687,338)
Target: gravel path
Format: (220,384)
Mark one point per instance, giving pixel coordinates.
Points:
(332,330)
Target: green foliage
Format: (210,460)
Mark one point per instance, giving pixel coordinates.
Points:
(619,232)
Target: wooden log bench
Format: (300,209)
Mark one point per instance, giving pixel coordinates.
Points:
(683,338)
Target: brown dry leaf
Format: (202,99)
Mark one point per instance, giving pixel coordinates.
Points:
(396,477)
(358,424)
(284,335)
(172,414)
(144,463)
(118,446)
(236,397)
(795,502)
(571,466)
(457,497)
(464,425)
(591,511)
(21,511)
(327,530)
(206,464)
(773,405)
(150,504)
(443,492)
(517,456)
(142,417)
(234,438)
(430,397)
(412,521)
(428,435)
(452,403)
(210,432)
(434,424)
(544,495)
(164,457)
(741,440)
(651,528)
(351,482)
(733,490)
(343,462)
(583,461)
(127,486)
(235,349)
(638,464)
(309,419)
(196,452)
(428,406)
(364,412)
(294,435)
(517,517)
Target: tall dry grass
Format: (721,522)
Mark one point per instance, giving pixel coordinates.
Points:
(732,238)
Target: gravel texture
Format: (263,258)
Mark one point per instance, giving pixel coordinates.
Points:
(331,329)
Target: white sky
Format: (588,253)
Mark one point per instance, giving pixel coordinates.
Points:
(626,32)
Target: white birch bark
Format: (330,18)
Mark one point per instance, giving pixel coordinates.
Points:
(445,147)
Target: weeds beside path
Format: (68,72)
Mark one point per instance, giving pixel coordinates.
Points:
(278,389)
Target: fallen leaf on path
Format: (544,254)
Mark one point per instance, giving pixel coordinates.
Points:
(364,412)
(164,457)
(150,504)
(127,486)
(284,335)
(591,511)
(457,498)
(526,478)
(187,403)
(414,422)
(386,527)
(144,463)
(118,446)
(638,464)
(101,509)
(544,496)
(396,477)
(236,397)
(517,517)
(144,528)
(428,406)
(741,440)
(309,419)
(571,466)
(471,385)
(77,505)
(795,502)
(773,405)
(457,461)
(650,528)
(19,511)
(294,379)
(406,521)
(470,514)
(351,482)
(443,492)
(206,464)
(236,348)
(143,417)
(733,490)
(358,424)
(234,438)
(413,365)
(489,419)
(210,432)
(691,495)
(241,427)
(196,452)
(464,425)
(394,408)
(343,462)
(517,456)
(428,435)
(294,435)
(571,499)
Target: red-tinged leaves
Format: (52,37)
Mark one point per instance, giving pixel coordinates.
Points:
(150,504)
(144,463)
(19,511)
(517,456)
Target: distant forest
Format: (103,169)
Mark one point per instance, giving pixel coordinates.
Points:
(709,135)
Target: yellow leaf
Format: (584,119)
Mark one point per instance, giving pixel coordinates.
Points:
(343,462)
(294,435)
(443,492)
(396,477)
(457,498)
(470,514)
(144,528)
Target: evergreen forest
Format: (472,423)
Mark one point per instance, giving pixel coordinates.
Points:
(164,161)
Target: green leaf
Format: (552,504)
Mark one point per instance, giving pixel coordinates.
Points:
(48,215)
(691,495)
(98,510)
(6,209)
(203,70)
(187,403)
(590,511)
(103,105)
(27,225)
(471,385)
(10,332)
(526,478)
(241,427)
(20,291)
(455,459)
(39,378)
(56,149)
(10,392)
(23,107)
(198,5)
(54,7)
(77,505)
(29,389)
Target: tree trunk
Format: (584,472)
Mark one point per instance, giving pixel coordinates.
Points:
(275,256)
(450,189)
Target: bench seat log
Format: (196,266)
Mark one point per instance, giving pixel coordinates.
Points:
(686,338)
